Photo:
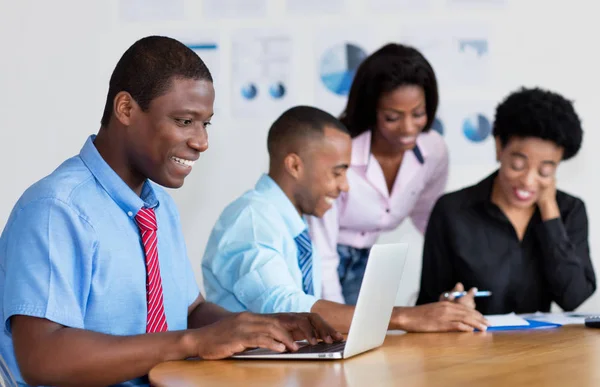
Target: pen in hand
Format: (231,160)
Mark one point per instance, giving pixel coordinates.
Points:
(479,293)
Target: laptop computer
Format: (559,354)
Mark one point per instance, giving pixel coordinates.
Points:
(371,316)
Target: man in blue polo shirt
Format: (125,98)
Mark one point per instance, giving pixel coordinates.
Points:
(95,284)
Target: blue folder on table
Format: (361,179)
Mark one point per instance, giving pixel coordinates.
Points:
(533,324)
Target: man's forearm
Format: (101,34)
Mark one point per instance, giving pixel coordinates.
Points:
(206,313)
(337,315)
(76,357)
(340,315)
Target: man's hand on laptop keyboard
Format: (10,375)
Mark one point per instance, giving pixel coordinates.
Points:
(277,332)
(309,327)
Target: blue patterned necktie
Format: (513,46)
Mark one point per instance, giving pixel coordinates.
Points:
(305,261)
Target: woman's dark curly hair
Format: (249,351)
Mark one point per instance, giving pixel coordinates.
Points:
(541,114)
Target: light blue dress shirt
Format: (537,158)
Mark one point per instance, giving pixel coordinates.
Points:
(251,260)
(71,253)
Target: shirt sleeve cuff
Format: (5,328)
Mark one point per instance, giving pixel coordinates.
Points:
(552,231)
(283,302)
(268,292)
(305,303)
(71,320)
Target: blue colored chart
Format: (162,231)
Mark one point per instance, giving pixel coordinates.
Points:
(249,91)
(477,128)
(480,46)
(338,66)
(200,47)
(277,90)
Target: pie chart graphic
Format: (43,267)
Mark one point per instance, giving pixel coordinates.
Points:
(249,91)
(277,90)
(338,66)
(476,128)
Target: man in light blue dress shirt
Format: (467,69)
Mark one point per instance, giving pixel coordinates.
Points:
(270,278)
(252,256)
(72,266)
(255,258)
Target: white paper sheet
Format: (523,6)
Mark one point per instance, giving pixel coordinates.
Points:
(557,318)
(506,320)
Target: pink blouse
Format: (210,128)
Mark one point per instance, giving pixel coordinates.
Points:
(359,216)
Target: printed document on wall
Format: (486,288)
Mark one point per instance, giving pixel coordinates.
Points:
(261,72)
(477,4)
(398,5)
(151,10)
(466,126)
(315,7)
(217,9)
(459,53)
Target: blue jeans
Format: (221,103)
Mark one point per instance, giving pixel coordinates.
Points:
(351,270)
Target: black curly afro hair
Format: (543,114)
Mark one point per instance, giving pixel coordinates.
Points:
(542,114)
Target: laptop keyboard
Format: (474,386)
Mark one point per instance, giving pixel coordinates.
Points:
(323,348)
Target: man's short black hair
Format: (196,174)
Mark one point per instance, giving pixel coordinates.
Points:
(299,124)
(147,68)
(388,68)
(541,114)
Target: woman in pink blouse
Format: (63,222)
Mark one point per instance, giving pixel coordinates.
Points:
(398,169)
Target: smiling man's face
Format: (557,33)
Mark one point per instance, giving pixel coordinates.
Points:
(166,140)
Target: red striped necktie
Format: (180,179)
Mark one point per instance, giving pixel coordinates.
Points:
(156,320)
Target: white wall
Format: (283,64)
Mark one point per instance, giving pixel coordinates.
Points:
(57,58)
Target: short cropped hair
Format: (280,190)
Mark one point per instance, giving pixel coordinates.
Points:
(299,124)
(147,68)
(542,114)
(388,68)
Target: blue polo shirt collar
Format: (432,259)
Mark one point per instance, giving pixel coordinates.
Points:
(112,183)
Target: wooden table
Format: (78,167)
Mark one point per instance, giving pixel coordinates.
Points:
(564,357)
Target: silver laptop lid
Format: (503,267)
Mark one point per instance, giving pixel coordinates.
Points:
(376,298)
